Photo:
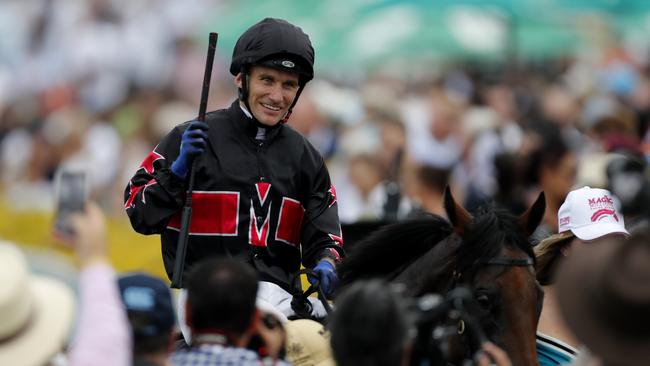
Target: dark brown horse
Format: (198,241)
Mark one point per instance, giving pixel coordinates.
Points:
(490,254)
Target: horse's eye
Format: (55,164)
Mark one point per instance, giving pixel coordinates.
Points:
(484,301)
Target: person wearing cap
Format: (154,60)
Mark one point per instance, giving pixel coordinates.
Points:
(262,192)
(604,296)
(586,218)
(148,304)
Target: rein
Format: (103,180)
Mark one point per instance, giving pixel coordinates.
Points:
(300,303)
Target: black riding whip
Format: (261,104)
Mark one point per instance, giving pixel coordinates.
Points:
(181,247)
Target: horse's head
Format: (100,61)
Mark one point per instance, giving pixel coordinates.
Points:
(493,257)
(489,253)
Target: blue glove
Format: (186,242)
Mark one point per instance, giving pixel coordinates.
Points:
(328,278)
(193,143)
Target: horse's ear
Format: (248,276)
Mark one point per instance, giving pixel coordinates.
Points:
(456,213)
(530,219)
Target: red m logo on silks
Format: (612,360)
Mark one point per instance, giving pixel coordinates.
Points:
(258,227)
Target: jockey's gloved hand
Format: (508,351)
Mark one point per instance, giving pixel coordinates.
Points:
(328,278)
(193,143)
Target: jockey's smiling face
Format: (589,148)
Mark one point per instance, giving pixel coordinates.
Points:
(270,93)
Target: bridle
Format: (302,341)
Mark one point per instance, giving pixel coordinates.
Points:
(497,261)
(457,276)
(509,262)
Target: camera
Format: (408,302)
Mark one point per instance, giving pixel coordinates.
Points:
(437,320)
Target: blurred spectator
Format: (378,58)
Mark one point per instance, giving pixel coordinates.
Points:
(559,106)
(148,303)
(640,101)
(102,336)
(36,313)
(551,169)
(373,187)
(432,130)
(430,186)
(489,131)
(221,313)
(364,198)
(307,119)
(603,295)
(511,192)
(628,178)
(308,343)
(587,217)
(393,145)
(369,327)
(393,160)
(615,133)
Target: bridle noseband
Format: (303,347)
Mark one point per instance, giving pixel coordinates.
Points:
(500,261)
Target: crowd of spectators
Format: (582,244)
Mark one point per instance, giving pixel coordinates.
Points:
(98,83)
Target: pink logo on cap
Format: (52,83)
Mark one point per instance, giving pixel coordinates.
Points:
(601,202)
(565,220)
(604,212)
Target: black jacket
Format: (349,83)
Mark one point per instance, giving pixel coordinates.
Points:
(262,201)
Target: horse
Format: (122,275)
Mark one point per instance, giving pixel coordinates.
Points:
(490,254)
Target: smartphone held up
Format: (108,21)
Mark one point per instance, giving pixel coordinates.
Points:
(71,192)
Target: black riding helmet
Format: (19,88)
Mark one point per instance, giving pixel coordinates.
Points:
(273,43)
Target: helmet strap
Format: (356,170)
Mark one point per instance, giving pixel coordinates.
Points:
(243,91)
(293,104)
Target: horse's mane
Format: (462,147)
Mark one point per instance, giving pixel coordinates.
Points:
(392,247)
(492,228)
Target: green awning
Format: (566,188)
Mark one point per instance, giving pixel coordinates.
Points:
(361,34)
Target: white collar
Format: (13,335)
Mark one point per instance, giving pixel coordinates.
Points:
(246,112)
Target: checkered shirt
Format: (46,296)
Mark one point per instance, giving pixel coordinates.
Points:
(218,355)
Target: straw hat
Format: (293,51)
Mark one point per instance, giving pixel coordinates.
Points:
(36,312)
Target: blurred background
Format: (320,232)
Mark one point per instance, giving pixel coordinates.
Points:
(499,99)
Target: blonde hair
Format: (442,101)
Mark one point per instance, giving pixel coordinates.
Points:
(548,254)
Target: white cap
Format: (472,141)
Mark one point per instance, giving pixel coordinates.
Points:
(590,213)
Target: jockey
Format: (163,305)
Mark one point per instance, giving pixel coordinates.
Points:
(262,192)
